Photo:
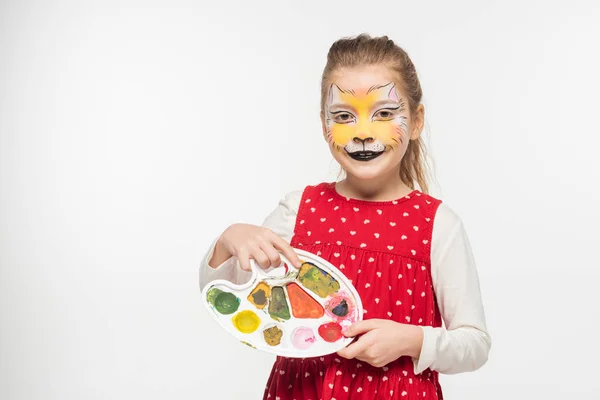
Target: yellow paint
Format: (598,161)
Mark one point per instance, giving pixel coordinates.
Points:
(363,107)
(246,321)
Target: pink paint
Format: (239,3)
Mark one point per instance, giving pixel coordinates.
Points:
(303,338)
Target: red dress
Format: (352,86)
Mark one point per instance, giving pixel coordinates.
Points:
(384,249)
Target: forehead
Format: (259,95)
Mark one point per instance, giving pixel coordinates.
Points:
(361,79)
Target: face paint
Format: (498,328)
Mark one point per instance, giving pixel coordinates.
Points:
(365,124)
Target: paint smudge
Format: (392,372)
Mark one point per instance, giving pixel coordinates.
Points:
(341,310)
(331,332)
(246,321)
(226,303)
(303,338)
(273,335)
(316,280)
(248,344)
(303,305)
(212,295)
(259,295)
(278,306)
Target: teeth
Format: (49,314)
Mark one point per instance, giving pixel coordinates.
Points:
(364,154)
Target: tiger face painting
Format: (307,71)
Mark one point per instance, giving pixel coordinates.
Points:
(365,123)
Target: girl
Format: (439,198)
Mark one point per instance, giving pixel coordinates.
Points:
(406,252)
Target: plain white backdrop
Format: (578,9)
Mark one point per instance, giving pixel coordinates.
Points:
(133,132)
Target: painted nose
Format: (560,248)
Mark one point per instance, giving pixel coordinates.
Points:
(363,141)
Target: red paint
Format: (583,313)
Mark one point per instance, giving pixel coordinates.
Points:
(331,332)
(303,305)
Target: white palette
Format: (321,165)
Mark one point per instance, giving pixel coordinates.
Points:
(320,303)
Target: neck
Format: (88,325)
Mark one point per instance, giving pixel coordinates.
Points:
(382,188)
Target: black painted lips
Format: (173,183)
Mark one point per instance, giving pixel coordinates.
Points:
(365,155)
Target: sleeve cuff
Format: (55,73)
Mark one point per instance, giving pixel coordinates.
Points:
(222,271)
(428,350)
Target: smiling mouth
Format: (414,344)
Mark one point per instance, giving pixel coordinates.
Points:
(365,155)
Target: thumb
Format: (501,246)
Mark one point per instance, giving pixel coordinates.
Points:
(361,327)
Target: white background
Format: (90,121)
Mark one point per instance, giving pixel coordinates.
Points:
(134,132)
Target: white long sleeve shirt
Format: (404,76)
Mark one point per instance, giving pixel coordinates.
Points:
(463,343)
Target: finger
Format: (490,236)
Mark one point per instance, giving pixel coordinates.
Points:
(355,349)
(260,257)
(271,252)
(365,358)
(244,259)
(361,327)
(286,249)
(377,363)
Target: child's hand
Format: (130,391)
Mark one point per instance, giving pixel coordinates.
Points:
(382,341)
(250,241)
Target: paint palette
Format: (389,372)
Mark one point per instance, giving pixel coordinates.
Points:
(286,311)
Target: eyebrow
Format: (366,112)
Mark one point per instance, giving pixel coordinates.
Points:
(376,87)
(378,104)
(389,103)
(340,105)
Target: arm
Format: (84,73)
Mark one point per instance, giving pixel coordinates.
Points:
(218,264)
(464,343)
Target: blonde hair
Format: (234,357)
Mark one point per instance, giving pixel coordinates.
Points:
(366,50)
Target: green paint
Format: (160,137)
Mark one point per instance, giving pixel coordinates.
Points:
(248,344)
(226,303)
(318,281)
(212,295)
(278,306)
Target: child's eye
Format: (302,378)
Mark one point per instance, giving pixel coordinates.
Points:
(343,118)
(384,114)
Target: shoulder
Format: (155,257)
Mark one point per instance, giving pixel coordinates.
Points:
(447,229)
(293,198)
(446,217)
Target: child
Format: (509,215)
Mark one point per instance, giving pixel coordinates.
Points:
(406,253)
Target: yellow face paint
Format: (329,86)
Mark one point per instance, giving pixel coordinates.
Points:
(367,123)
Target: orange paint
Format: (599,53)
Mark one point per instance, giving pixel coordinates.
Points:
(303,305)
